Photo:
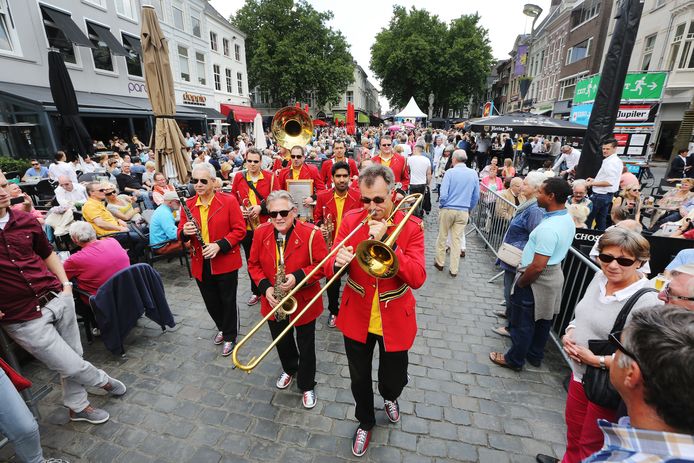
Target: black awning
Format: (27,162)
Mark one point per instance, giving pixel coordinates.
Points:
(67,26)
(134,43)
(112,43)
(211,113)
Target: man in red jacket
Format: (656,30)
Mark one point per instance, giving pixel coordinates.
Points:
(299,170)
(378,311)
(216,236)
(300,247)
(331,207)
(338,156)
(397,164)
(252,186)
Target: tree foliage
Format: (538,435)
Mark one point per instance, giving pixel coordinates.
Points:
(291,51)
(418,54)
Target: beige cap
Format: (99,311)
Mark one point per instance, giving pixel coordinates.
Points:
(686,268)
(171,196)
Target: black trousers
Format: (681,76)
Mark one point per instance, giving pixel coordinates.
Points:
(298,357)
(418,189)
(334,296)
(219,294)
(392,376)
(246,243)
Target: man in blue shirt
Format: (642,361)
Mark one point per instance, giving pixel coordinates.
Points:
(162,228)
(537,292)
(36,170)
(459,193)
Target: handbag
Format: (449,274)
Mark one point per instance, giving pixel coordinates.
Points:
(19,381)
(509,254)
(596,380)
(426,202)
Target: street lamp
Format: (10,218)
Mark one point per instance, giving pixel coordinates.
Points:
(532,11)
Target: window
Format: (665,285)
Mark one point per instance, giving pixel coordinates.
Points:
(350,96)
(687,57)
(183,63)
(195,23)
(237,52)
(588,10)
(213,41)
(101,3)
(675,47)
(133,59)
(101,53)
(8,41)
(578,51)
(217,77)
(125,8)
(648,45)
(567,87)
(57,39)
(200,63)
(239,82)
(225,46)
(178,16)
(230,82)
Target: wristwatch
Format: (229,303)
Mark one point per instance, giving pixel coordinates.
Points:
(67,283)
(601,359)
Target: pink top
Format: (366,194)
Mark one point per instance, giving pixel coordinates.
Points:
(95,263)
(627,178)
(496,186)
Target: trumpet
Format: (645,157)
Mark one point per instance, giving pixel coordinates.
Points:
(252,222)
(372,251)
(329,228)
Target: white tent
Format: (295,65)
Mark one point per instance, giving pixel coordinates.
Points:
(411,111)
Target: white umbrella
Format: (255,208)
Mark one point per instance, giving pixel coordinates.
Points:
(258,132)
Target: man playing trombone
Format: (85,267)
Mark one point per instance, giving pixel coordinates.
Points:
(331,207)
(286,247)
(252,186)
(378,310)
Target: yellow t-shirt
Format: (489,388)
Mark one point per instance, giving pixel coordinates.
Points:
(251,193)
(295,174)
(95,209)
(375,325)
(204,210)
(386,162)
(339,205)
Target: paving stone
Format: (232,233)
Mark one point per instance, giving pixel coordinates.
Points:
(205,454)
(402,440)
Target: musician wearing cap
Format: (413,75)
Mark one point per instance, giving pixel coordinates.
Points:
(286,249)
(299,170)
(331,207)
(397,163)
(251,187)
(339,151)
(215,233)
(378,310)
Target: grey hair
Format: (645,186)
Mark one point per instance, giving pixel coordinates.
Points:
(626,240)
(449,148)
(535,179)
(369,175)
(459,156)
(82,232)
(579,182)
(206,166)
(280,194)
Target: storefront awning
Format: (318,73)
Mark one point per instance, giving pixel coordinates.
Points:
(105,36)
(67,26)
(212,114)
(241,113)
(338,117)
(363,119)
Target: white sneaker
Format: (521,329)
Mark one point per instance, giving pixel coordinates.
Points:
(284,381)
(309,399)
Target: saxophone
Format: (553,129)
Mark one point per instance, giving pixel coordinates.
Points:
(280,277)
(191,219)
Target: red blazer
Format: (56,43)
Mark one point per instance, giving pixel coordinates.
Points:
(226,227)
(262,264)
(397,302)
(277,164)
(401,170)
(307,172)
(327,167)
(267,184)
(327,198)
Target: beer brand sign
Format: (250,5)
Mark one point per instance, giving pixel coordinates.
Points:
(194,99)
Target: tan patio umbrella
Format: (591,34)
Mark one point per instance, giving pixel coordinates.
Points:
(169,144)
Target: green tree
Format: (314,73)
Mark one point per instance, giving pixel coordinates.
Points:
(418,54)
(291,51)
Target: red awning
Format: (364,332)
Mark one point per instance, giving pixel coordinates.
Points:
(241,113)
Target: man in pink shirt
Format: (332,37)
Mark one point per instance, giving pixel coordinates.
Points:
(627,178)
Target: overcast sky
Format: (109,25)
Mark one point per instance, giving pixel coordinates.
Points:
(360,21)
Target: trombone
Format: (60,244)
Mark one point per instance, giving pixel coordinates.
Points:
(375,257)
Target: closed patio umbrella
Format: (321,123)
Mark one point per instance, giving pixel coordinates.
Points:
(168,142)
(259,132)
(76,137)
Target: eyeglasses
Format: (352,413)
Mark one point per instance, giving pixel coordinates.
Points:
(252,161)
(666,293)
(614,340)
(385,144)
(204,181)
(623,261)
(297,156)
(375,200)
(283,213)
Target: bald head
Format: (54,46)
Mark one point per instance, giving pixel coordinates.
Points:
(459,156)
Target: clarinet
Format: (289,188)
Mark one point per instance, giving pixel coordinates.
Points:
(191,219)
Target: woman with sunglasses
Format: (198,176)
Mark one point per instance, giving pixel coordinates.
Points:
(622,253)
(121,206)
(630,199)
(302,246)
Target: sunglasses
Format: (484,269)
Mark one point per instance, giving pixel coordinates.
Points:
(101,190)
(666,293)
(375,200)
(35,164)
(110,193)
(297,156)
(195,181)
(252,161)
(614,340)
(283,213)
(623,261)
(385,144)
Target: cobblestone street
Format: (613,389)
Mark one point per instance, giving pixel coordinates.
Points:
(186,403)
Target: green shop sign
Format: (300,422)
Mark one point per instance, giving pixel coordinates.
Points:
(637,87)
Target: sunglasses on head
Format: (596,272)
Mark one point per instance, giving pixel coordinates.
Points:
(283,213)
(297,156)
(375,200)
(623,261)
(204,181)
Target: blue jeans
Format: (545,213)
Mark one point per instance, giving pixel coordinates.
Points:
(18,424)
(601,209)
(146,199)
(528,337)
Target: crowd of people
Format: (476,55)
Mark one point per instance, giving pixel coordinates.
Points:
(243,199)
